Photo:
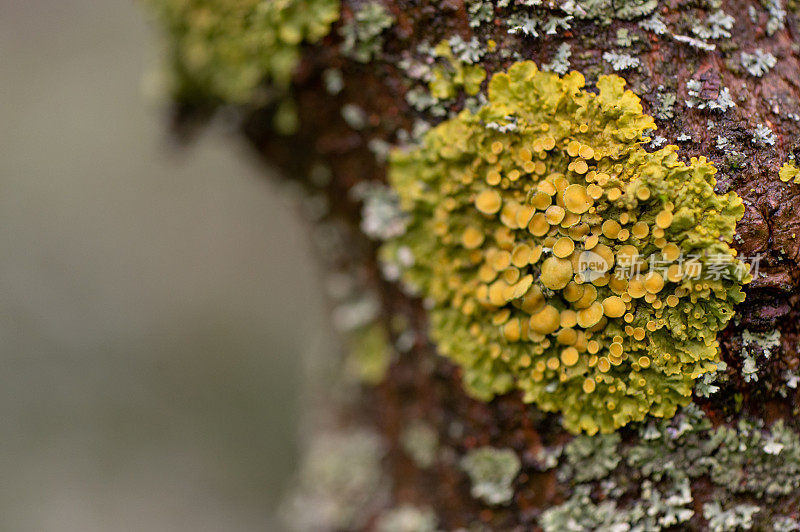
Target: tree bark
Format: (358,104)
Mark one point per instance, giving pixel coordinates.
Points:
(676,80)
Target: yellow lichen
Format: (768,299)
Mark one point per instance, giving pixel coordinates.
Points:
(579,292)
(789,172)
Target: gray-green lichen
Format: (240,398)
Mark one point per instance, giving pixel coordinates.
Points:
(620,61)
(421,443)
(607,10)
(533,18)
(777,15)
(363,34)
(738,517)
(560,62)
(407,518)
(381,216)
(763,135)
(646,485)
(339,481)
(755,345)
(591,457)
(491,472)
(717,25)
(697,99)
(758,63)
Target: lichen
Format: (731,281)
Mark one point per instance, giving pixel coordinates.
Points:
(755,345)
(650,485)
(698,100)
(591,457)
(381,217)
(716,26)
(339,481)
(560,62)
(407,518)
(421,442)
(223,50)
(764,135)
(738,517)
(454,74)
(363,34)
(758,63)
(562,258)
(789,172)
(777,15)
(369,354)
(607,10)
(491,472)
(621,61)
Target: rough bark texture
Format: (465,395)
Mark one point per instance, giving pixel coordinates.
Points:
(419,384)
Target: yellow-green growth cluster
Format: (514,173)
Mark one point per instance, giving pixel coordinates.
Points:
(370,354)
(535,249)
(224,48)
(789,172)
(447,79)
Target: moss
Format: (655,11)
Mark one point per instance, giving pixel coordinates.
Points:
(223,50)
(487,208)
(492,472)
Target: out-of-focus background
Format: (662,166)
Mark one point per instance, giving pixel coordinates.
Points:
(155,305)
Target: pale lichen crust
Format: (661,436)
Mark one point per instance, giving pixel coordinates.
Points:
(561,258)
(224,50)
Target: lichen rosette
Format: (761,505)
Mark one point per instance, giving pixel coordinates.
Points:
(563,259)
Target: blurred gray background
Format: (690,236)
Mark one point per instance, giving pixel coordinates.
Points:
(155,305)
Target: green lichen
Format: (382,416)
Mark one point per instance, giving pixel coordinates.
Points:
(561,258)
(454,74)
(492,472)
(369,355)
(223,50)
